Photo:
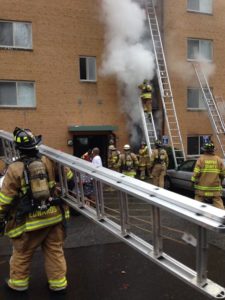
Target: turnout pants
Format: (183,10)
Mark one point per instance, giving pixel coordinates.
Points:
(50,240)
(158,174)
(216,200)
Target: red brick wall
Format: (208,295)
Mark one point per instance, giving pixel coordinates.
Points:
(62,31)
(178,26)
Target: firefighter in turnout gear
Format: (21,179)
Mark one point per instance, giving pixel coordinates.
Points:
(209,172)
(158,164)
(34,217)
(146,96)
(144,161)
(128,162)
(113,158)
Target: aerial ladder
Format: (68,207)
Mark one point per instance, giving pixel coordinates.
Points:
(165,86)
(148,127)
(215,117)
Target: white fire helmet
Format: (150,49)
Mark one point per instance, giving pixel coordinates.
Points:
(126,147)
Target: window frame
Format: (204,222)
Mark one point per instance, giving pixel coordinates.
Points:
(17,93)
(199,11)
(200,93)
(87,69)
(199,46)
(200,143)
(13,36)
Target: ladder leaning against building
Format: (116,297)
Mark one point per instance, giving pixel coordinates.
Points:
(165,86)
(214,114)
(148,127)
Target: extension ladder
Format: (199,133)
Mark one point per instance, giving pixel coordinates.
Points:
(220,102)
(165,87)
(149,129)
(215,117)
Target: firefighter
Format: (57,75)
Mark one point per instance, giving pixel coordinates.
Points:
(146,96)
(209,172)
(158,164)
(128,162)
(113,158)
(30,223)
(144,161)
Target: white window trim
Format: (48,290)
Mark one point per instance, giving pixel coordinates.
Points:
(196,108)
(17,47)
(196,59)
(20,106)
(199,11)
(88,80)
(199,137)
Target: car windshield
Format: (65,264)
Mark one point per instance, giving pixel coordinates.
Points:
(187,166)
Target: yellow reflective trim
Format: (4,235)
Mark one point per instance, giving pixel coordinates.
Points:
(42,223)
(69,175)
(20,282)
(5,199)
(217,171)
(206,188)
(58,282)
(18,139)
(51,184)
(38,224)
(208,194)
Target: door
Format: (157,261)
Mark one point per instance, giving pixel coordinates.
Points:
(83,142)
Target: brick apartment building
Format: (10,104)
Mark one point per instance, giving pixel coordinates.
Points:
(50,53)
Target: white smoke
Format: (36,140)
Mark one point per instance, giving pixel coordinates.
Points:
(127,54)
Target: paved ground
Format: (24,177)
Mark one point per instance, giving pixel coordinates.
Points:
(100,267)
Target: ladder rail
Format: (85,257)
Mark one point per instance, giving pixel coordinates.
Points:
(150,6)
(145,124)
(218,125)
(220,103)
(211,99)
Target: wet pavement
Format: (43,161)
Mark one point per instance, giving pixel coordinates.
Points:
(100,267)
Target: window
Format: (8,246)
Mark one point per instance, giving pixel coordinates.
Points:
(201,6)
(199,49)
(88,68)
(15,35)
(194,144)
(17,94)
(195,99)
(187,166)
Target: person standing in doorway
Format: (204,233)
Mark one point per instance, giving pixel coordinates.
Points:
(96,159)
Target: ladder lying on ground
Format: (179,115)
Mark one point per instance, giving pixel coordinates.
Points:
(203,217)
(149,129)
(165,87)
(215,117)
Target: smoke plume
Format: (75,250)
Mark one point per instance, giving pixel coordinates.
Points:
(127,54)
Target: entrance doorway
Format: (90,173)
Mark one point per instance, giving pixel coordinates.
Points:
(82,142)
